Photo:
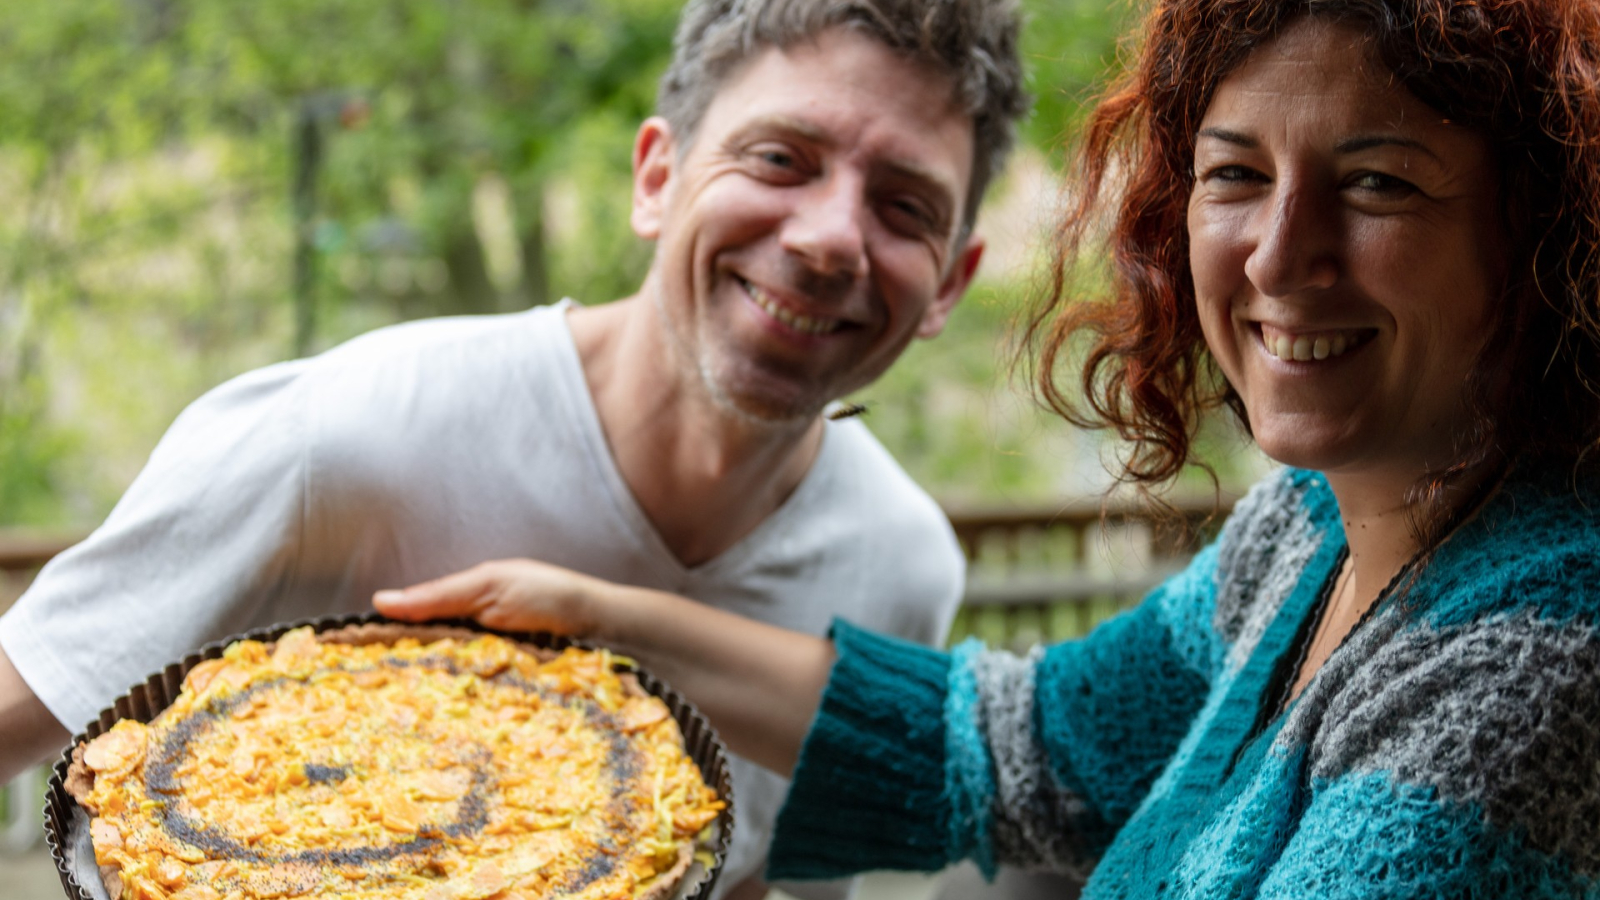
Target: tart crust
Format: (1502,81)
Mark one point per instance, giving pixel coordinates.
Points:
(596,748)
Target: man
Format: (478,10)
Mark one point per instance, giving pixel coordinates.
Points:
(810,184)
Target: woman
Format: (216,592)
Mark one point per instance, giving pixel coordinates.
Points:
(1372,229)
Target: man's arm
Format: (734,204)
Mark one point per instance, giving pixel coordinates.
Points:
(28,732)
(757,683)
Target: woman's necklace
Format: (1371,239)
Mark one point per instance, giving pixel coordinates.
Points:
(1282,691)
(1329,613)
(1279,693)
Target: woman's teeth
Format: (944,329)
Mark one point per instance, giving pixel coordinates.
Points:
(1307,347)
(798,321)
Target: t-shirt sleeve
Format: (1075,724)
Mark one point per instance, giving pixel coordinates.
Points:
(205,536)
(918,759)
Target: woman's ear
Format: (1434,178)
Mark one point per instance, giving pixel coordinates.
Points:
(654,154)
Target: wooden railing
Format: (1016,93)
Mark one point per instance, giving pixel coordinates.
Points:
(22,553)
(1048,574)
(1022,563)
(1034,576)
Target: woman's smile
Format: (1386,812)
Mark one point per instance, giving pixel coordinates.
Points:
(1310,344)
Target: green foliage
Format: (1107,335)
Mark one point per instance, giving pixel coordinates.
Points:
(1069,47)
(160,233)
(956,417)
(31,459)
(150,151)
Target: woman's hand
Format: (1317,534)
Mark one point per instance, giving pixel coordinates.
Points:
(757,683)
(508,594)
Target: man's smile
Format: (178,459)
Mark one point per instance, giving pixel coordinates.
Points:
(802,322)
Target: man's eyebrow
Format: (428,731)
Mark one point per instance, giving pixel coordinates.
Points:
(797,127)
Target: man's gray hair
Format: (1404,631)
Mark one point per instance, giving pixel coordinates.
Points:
(974,42)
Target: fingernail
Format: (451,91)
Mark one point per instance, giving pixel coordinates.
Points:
(389,596)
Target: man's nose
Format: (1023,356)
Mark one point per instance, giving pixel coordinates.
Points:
(1296,242)
(826,228)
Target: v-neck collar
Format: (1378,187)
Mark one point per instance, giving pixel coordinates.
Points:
(1239,719)
(625,505)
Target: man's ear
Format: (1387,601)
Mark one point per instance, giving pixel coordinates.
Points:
(654,155)
(962,268)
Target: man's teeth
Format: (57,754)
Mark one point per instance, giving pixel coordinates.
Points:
(1307,347)
(798,321)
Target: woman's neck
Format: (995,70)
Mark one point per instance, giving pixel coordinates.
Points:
(1382,541)
(1383,522)
(1379,526)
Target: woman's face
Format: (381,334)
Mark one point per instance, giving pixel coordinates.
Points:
(1346,251)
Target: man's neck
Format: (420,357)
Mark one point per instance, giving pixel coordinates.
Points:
(704,476)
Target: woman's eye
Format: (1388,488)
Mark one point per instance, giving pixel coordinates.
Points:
(1230,182)
(1233,174)
(1382,185)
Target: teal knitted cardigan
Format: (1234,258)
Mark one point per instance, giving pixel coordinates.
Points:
(1450,748)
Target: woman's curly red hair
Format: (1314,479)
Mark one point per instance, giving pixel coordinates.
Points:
(1525,73)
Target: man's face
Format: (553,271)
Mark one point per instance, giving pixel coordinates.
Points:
(809,232)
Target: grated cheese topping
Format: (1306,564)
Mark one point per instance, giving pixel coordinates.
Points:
(452,770)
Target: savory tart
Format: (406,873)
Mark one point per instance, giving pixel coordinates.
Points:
(387,761)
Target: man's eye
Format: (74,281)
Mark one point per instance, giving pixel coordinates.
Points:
(774,162)
(911,216)
(913,209)
(773,155)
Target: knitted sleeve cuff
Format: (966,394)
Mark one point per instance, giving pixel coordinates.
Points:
(868,789)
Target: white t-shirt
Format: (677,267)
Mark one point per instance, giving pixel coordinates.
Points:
(415,451)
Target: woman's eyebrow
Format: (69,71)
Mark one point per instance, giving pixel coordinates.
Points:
(1228,135)
(1353,144)
(1358,143)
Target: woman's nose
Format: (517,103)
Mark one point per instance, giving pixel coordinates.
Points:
(1296,243)
(825,228)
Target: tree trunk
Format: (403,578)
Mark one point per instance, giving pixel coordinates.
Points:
(535,288)
(470,290)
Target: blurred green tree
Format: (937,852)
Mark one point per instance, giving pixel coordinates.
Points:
(197,187)
(155,161)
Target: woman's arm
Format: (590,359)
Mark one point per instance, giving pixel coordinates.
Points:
(758,684)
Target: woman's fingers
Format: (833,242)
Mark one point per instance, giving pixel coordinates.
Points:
(459,594)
